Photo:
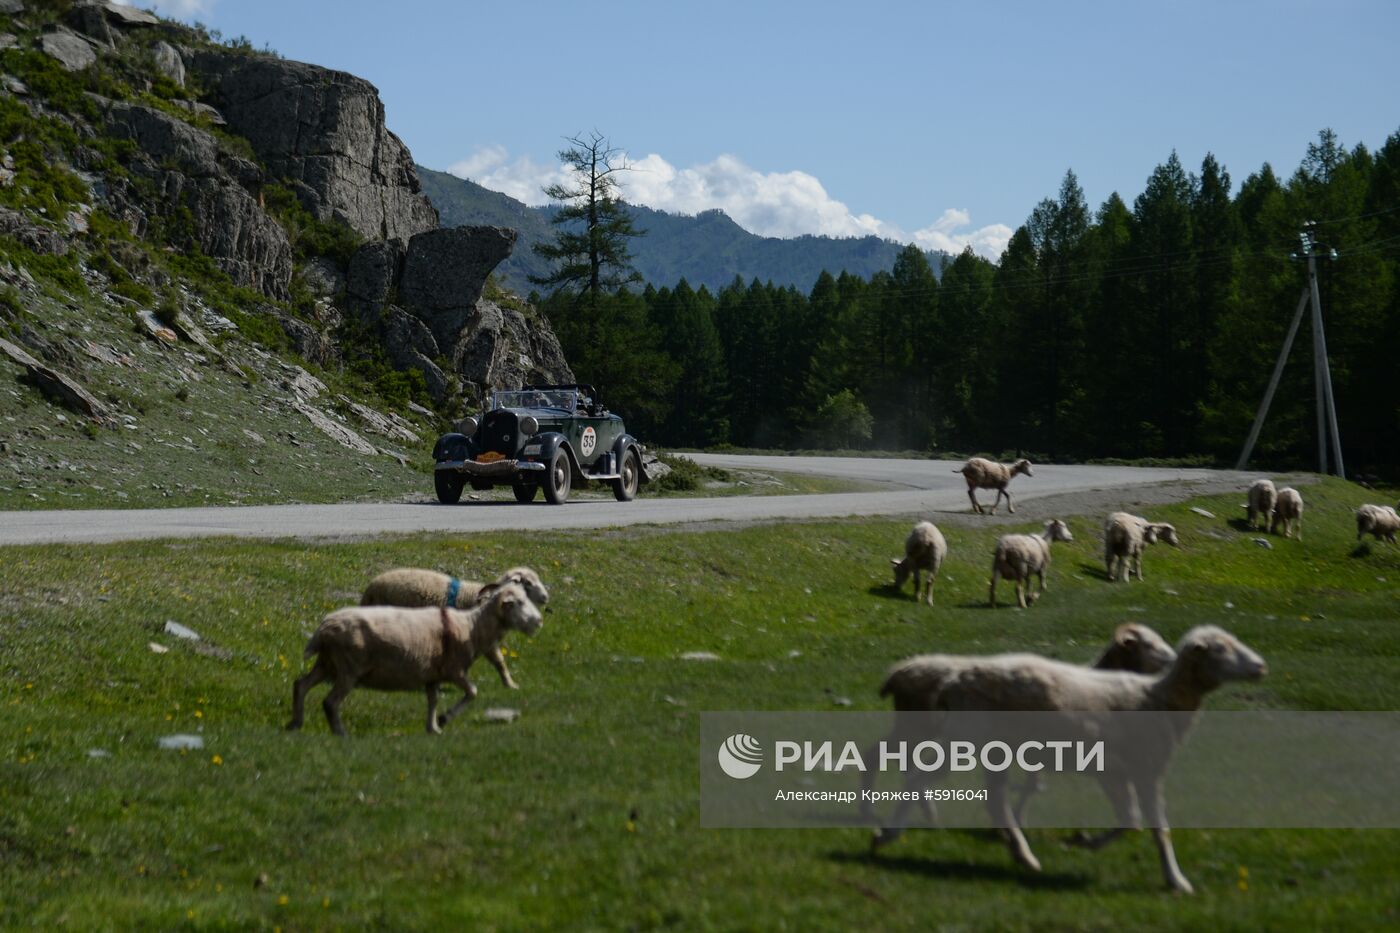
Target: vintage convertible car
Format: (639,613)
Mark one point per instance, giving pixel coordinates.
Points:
(540,437)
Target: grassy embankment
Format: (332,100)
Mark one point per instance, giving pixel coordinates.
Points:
(583,813)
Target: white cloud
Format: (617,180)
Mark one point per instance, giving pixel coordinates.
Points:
(523,179)
(179,9)
(776,204)
(989,241)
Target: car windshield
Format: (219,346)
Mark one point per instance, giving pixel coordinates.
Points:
(562,399)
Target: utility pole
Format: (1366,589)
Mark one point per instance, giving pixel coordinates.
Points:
(1322,372)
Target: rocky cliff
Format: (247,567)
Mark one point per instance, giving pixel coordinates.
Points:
(323,131)
(284,175)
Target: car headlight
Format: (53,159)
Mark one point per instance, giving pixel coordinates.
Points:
(529,425)
(467,426)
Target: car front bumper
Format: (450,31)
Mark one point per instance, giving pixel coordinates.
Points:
(497,469)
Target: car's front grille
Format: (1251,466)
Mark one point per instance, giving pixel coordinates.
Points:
(498,433)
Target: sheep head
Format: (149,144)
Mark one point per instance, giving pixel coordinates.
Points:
(1216,657)
(1021,466)
(1056,530)
(1165,532)
(530,582)
(1143,650)
(516,611)
(901,571)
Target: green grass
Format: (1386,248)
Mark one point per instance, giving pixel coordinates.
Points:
(584,814)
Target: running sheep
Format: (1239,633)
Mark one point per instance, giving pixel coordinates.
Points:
(924,551)
(1206,658)
(988,474)
(1020,557)
(1135,648)
(1125,537)
(413,586)
(398,648)
(1288,512)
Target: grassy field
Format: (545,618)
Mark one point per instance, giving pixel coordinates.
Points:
(583,814)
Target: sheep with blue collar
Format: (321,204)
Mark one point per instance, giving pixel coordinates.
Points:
(414,586)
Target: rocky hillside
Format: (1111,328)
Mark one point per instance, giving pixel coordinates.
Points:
(707,249)
(219,277)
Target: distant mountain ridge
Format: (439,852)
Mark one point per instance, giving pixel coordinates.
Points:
(707,249)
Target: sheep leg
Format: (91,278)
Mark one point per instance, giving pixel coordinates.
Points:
(1021,586)
(972,494)
(1010,509)
(1121,794)
(468,694)
(1000,809)
(996,575)
(1156,806)
(299,689)
(432,691)
(498,661)
(1029,789)
(331,704)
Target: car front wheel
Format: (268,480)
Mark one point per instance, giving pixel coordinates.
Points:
(449,487)
(625,486)
(558,478)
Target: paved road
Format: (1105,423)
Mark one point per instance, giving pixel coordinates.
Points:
(918,486)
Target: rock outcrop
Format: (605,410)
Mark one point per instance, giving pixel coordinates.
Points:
(444,272)
(501,349)
(424,303)
(206,187)
(323,131)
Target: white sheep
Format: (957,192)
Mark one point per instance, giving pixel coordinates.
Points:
(1019,557)
(1379,521)
(988,474)
(412,586)
(1125,537)
(1207,658)
(924,550)
(1288,512)
(398,648)
(1262,496)
(1135,647)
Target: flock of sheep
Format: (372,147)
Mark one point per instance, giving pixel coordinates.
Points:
(416,629)
(1139,672)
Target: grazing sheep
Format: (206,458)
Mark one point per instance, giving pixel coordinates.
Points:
(398,648)
(988,474)
(1207,657)
(1379,521)
(1288,512)
(1019,557)
(1125,537)
(1262,496)
(411,586)
(924,550)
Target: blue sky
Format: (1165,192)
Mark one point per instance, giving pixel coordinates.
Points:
(938,123)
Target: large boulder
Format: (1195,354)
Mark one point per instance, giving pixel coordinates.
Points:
(410,345)
(500,348)
(445,271)
(374,273)
(68,48)
(168,61)
(324,131)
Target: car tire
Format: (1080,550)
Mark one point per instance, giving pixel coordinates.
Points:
(525,492)
(625,486)
(558,478)
(449,487)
